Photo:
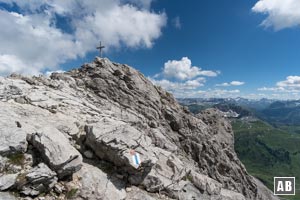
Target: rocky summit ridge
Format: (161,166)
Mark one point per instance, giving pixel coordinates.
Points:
(105,132)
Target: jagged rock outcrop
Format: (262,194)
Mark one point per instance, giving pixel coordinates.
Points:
(106,132)
(39,179)
(56,150)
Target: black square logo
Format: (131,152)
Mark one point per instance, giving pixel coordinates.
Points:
(284,185)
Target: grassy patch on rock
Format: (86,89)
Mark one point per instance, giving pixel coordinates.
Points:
(17,159)
(71,193)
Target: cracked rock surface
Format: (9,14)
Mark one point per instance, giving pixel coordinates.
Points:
(105,132)
(56,150)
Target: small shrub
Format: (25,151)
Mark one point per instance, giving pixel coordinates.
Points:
(17,159)
(72,193)
(188,177)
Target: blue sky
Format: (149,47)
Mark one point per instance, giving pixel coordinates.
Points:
(203,48)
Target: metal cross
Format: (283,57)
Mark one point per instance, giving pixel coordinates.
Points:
(100,49)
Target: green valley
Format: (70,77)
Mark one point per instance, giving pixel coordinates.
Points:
(268,152)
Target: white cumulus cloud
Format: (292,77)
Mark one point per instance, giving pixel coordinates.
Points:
(232,83)
(217,93)
(183,70)
(11,63)
(286,89)
(290,82)
(276,89)
(179,86)
(181,78)
(32,41)
(280,13)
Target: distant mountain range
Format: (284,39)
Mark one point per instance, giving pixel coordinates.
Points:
(251,103)
(276,112)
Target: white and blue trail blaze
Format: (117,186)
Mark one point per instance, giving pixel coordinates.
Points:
(136,159)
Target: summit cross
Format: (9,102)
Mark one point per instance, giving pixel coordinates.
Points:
(100,49)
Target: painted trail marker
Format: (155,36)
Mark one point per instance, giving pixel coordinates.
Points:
(135,157)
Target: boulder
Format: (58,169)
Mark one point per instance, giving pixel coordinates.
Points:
(115,140)
(38,180)
(13,138)
(96,185)
(57,151)
(204,183)
(166,174)
(7,181)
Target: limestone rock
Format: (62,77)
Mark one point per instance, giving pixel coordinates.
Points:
(113,140)
(38,180)
(264,192)
(57,151)
(231,195)
(137,194)
(13,138)
(190,192)
(94,184)
(204,183)
(7,196)
(7,181)
(166,174)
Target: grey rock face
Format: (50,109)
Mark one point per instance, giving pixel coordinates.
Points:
(231,195)
(204,183)
(96,185)
(13,138)
(190,192)
(38,180)
(7,181)
(136,194)
(136,133)
(264,192)
(158,169)
(7,196)
(112,140)
(167,174)
(57,151)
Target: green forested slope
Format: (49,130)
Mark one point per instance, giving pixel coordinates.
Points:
(268,152)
